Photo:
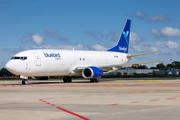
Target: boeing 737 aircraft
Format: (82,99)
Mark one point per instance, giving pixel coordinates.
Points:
(89,64)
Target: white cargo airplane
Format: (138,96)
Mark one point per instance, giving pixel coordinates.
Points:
(89,64)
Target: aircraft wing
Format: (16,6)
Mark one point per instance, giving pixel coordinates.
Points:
(111,68)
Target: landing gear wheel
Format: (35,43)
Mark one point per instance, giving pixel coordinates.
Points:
(92,80)
(24,82)
(67,79)
(96,80)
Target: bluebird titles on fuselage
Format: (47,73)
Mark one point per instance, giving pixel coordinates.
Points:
(51,54)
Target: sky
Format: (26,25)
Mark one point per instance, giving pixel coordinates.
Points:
(90,25)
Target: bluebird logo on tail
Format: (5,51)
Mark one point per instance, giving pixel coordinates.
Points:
(126,36)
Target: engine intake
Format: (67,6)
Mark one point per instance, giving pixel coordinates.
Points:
(92,73)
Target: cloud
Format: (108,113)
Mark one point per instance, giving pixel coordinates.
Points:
(103,34)
(145,48)
(171,45)
(168,45)
(98,47)
(95,34)
(141,15)
(4,5)
(171,50)
(114,35)
(25,39)
(159,18)
(54,34)
(135,38)
(39,39)
(137,48)
(167,32)
(144,16)
(36,38)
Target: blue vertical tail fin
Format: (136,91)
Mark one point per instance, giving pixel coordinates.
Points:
(123,43)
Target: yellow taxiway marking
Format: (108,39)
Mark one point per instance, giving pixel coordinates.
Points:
(148,80)
(142,80)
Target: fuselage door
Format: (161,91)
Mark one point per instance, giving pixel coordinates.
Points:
(38,60)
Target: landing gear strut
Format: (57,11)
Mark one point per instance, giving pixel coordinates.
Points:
(94,80)
(67,79)
(25,82)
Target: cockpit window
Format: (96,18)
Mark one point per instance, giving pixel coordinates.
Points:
(16,57)
(25,58)
(20,58)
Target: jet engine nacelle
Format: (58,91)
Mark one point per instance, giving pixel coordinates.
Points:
(92,73)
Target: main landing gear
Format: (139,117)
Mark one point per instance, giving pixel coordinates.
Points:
(67,79)
(25,82)
(94,80)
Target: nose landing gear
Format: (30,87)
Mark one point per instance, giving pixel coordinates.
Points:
(25,81)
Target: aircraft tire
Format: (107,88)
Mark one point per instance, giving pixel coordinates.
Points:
(24,82)
(92,80)
(96,80)
(67,79)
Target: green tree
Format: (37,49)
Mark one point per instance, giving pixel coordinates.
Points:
(142,67)
(169,65)
(0,74)
(160,65)
(5,72)
(176,64)
(153,68)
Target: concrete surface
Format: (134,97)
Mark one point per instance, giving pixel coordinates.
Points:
(81,100)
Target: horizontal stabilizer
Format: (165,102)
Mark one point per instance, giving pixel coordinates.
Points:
(129,56)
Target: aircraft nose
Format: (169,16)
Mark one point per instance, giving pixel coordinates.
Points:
(11,66)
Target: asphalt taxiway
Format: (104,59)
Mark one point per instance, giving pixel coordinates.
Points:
(81,100)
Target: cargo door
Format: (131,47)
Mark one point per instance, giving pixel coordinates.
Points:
(38,60)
